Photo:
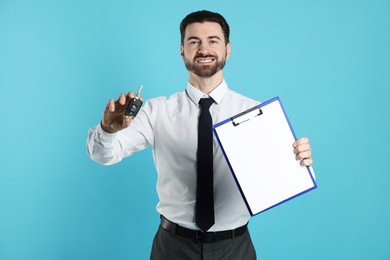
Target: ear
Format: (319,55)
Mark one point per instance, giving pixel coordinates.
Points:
(228,50)
(182,51)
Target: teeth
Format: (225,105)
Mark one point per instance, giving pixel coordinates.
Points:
(205,61)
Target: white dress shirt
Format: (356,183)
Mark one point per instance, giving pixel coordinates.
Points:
(170,126)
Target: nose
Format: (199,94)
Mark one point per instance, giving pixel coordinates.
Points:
(203,49)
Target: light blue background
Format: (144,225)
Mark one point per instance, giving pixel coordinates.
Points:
(60,61)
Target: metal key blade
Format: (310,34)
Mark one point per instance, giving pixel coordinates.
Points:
(138,95)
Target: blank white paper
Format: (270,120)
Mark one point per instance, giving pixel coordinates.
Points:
(261,157)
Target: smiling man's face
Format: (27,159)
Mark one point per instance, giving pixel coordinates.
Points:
(204,50)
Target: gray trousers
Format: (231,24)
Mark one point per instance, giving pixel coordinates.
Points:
(172,247)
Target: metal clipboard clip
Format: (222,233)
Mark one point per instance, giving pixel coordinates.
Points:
(247,115)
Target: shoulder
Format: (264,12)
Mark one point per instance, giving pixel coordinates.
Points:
(166,100)
(164,103)
(239,99)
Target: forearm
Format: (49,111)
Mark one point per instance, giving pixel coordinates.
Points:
(103,147)
(108,149)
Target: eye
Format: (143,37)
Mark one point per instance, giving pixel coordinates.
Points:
(214,42)
(193,42)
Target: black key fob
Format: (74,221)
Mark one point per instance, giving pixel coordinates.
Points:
(133,107)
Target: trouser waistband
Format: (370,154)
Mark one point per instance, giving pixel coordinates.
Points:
(200,236)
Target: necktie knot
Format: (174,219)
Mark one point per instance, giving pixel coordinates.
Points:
(205,103)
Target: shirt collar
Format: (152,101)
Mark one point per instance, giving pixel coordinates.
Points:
(217,94)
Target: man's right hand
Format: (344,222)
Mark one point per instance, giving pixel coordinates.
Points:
(114,118)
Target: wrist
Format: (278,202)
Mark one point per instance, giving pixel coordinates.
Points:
(106,128)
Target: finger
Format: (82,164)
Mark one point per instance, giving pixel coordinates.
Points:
(302,148)
(111,105)
(126,121)
(303,155)
(303,140)
(307,162)
(122,99)
(131,94)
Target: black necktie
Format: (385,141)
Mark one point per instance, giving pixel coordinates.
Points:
(204,214)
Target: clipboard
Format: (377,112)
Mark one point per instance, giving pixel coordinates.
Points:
(257,146)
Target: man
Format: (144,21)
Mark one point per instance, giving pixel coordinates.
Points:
(170,126)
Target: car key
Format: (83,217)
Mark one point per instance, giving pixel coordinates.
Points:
(134,105)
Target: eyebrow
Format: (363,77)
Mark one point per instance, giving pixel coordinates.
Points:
(197,38)
(214,37)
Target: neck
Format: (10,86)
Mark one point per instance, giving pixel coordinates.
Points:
(206,84)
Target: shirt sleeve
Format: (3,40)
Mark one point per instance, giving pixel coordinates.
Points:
(109,149)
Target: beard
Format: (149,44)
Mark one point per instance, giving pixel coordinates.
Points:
(204,71)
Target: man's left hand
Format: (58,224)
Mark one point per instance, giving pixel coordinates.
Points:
(302,151)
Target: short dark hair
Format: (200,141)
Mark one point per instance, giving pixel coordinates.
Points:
(204,16)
